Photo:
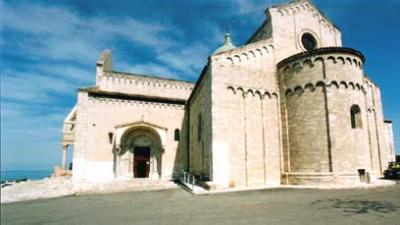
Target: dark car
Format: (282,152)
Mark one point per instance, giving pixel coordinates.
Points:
(393,170)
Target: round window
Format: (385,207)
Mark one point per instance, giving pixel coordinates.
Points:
(309,42)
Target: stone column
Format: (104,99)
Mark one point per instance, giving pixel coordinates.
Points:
(64,156)
(154,168)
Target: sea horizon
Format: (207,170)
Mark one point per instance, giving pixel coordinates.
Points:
(10,175)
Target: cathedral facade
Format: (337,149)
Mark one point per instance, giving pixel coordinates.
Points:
(291,106)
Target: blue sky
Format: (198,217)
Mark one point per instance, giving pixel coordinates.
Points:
(49,49)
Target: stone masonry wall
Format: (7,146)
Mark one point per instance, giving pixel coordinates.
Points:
(380,146)
(144,85)
(290,21)
(112,81)
(245,114)
(391,153)
(200,148)
(383,145)
(372,127)
(251,121)
(319,91)
(97,116)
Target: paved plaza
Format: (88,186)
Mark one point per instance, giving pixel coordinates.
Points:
(275,206)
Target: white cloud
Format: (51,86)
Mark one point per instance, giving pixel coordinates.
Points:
(253,9)
(33,88)
(63,35)
(148,34)
(62,48)
(187,60)
(19,122)
(39,20)
(27,137)
(75,74)
(246,7)
(147,69)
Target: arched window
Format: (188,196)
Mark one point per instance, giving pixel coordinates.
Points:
(176,135)
(355,116)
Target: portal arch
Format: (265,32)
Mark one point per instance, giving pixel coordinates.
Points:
(139,152)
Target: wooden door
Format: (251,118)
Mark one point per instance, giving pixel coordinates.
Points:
(141,162)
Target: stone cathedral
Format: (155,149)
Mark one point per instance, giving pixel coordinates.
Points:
(290,106)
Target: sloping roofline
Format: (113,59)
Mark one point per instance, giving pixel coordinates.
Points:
(149,76)
(199,80)
(284,5)
(258,30)
(95,92)
(320,51)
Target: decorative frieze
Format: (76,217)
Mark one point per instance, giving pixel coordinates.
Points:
(110,101)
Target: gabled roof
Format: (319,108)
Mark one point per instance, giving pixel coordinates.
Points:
(295,2)
(286,4)
(281,7)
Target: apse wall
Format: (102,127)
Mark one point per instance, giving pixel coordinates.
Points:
(318,91)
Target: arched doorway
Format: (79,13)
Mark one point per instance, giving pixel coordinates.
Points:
(140,154)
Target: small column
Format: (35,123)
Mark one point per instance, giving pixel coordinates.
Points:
(64,157)
(154,168)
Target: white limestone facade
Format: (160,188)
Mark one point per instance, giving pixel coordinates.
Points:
(123,112)
(291,106)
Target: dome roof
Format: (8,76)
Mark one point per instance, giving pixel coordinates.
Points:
(226,46)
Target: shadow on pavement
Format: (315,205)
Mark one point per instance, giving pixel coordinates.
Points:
(357,206)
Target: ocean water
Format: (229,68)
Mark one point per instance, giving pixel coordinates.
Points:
(28,174)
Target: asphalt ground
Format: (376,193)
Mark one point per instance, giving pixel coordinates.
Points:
(275,206)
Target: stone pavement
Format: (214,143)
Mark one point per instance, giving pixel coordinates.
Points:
(38,189)
(379,205)
(63,186)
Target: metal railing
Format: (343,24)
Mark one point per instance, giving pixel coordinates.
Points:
(188,179)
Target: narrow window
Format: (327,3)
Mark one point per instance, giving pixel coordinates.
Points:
(199,127)
(110,137)
(176,135)
(355,116)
